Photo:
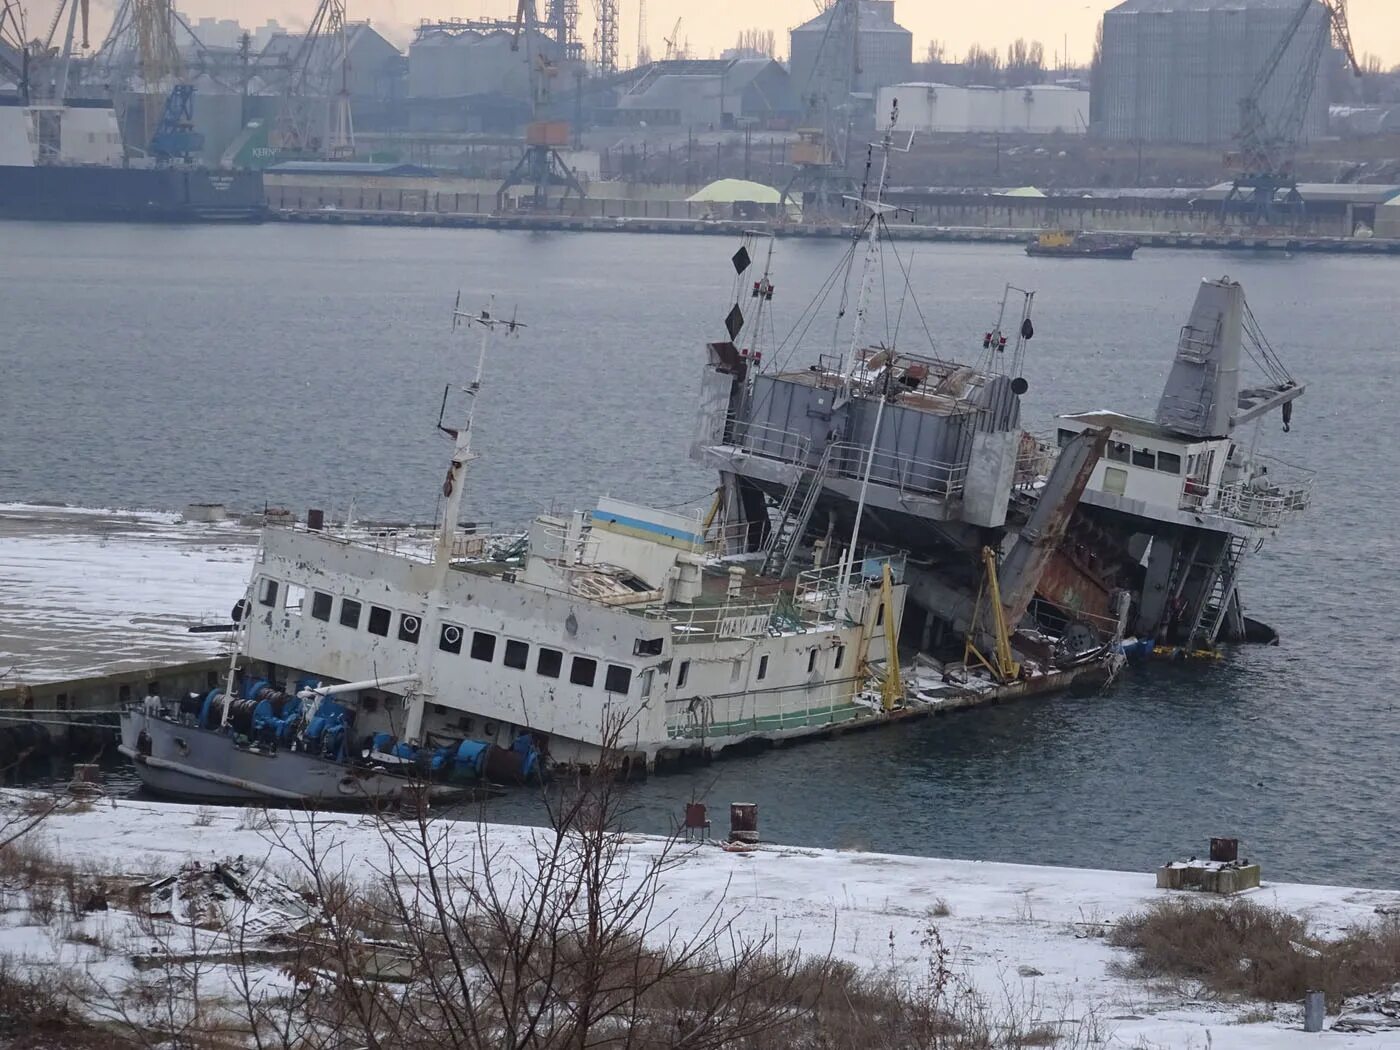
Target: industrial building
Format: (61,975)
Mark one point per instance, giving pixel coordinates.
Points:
(1037,109)
(885,48)
(1176,70)
(719,93)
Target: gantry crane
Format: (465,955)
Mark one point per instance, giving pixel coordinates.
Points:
(14,47)
(1264,179)
(318,69)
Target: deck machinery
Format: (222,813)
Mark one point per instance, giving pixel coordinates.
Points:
(930,456)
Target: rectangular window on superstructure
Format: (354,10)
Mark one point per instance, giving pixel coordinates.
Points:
(321,605)
(349,613)
(648,646)
(840,656)
(296,598)
(267,592)
(1169,462)
(1119,451)
(647,677)
(682,674)
(1064,437)
(378,621)
(517,654)
(618,679)
(450,638)
(483,646)
(811,661)
(762,667)
(409,626)
(1145,457)
(549,663)
(583,671)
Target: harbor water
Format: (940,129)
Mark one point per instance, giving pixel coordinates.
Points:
(145,366)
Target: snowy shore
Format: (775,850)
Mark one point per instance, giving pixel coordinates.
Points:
(1028,939)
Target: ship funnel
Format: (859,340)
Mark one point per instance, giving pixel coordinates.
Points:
(1202,390)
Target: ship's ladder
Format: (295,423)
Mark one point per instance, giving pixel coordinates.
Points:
(1219,592)
(803,493)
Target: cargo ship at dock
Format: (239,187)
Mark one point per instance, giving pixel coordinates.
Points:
(66,163)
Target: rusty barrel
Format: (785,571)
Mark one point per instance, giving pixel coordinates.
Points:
(743,822)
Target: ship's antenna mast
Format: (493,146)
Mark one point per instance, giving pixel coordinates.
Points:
(452,491)
(878,208)
(452,486)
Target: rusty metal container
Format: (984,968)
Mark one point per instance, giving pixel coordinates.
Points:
(1225,851)
(743,822)
(547,133)
(315,519)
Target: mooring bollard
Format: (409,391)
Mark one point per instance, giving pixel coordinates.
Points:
(1314,1010)
(743,822)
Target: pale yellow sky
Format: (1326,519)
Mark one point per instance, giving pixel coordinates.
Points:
(713,25)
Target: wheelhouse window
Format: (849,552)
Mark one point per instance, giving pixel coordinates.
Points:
(549,663)
(349,612)
(762,667)
(618,679)
(321,605)
(1169,462)
(450,638)
(483,646)
(583,671)
(517,654)
(811,661)
(840,656)
(267,592)
(296,598)
(1119,451)
(1063,437)
(648,646)
(378,621)
(409,627)
(1145,457)
(683,674)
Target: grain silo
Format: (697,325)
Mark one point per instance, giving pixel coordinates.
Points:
(1176,70)
(885,47)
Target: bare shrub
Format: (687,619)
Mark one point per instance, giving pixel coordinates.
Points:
(203,817)
(1245,949)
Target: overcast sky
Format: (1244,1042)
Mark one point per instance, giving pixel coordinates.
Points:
(712,25)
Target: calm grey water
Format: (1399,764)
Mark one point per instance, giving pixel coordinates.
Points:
(150,366)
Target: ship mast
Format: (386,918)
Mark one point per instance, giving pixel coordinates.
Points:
(453,487)
(878,209)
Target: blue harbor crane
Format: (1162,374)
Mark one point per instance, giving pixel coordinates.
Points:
(1264,164)
(174,138)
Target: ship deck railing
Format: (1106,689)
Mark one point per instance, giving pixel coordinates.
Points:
(811,603)
(417,542)
(734,714)
(1278,492)
(848,460)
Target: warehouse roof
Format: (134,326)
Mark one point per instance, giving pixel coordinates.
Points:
(1334,192)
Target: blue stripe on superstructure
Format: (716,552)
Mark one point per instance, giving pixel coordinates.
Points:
(646,526)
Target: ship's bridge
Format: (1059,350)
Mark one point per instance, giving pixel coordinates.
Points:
(1152,471)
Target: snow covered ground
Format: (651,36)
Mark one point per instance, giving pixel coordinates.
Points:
(84,592)
(1029,939)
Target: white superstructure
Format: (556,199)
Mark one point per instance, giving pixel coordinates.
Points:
(949,108)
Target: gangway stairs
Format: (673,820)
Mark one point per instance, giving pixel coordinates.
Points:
(1218,592)
(803,493)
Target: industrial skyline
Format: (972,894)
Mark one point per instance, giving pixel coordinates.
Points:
(711,27)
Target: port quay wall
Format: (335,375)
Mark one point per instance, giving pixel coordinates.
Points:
(390,196)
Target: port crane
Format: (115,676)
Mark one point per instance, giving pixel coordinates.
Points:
(541,164)
(14,47)
(320,60)
(819,177)
(1264,164)
(673,45)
